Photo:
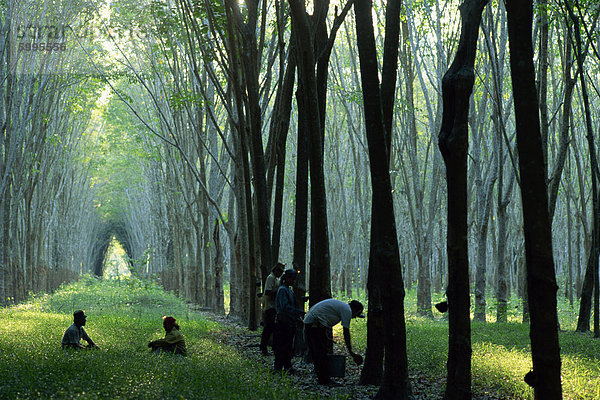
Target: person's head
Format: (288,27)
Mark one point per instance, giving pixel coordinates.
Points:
(289,276)
(79,317)
(357,309)
(169,323)
(278,269)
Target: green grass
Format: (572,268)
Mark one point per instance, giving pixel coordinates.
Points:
(122,318)
(123,315)
(501,357)
(501,352)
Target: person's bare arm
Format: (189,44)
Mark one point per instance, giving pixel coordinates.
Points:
(356,357)
(88,339)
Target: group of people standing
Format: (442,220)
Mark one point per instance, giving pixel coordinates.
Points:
(281,319)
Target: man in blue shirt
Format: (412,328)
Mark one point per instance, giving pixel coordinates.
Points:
(287,318)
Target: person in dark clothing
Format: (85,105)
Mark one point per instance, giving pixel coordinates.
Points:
(75,332)
(173,341)
(269,313)
(287,317)
(320,318)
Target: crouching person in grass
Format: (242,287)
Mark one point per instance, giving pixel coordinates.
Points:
(74,333)
(173,341)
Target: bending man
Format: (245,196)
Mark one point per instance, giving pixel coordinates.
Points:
(321,317)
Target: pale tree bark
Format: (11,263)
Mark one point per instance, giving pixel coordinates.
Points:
(484,186)
(569,281)
(424,220)
(494,27)
(564,129)
(219,301)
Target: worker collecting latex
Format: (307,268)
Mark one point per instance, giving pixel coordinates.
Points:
(320,318)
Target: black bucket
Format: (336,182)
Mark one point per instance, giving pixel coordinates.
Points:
(336,364)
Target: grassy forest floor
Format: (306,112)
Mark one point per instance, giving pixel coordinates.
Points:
(224,362)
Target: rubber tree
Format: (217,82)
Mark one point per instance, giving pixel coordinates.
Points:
(541,280)
(248,92)
(386,286)
(590,283)
(313,49)
(457,86)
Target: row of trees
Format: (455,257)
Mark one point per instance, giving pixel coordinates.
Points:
(225,128)
(45,107)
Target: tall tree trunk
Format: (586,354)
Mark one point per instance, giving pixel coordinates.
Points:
(251,276)
(484,200)
(542,77)
(372,372)
(555,178)
(385,269)
(235,304)
(502,293)
(569,280)
(281,126)
(250,60)
(249,126)
(5,156)
(541,280)
(319,280)
(301,198)
(457,86)
(198,298)
(219,303)
(206,250)
(278,202)
(498,118)
(591,274)
(4,243)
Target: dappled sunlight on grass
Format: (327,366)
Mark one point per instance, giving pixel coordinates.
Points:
(580,365)
(497,367)
(126,294)
(581,377)
(125,313)
(122,318)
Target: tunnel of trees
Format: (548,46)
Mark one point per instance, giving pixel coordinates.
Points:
(436,146)
(107,233)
